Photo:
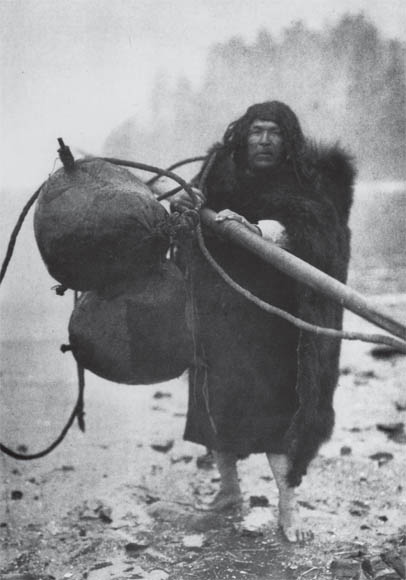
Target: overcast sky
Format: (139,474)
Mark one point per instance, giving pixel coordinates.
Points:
(76,69)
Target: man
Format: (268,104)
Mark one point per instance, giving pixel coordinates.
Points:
(259,385)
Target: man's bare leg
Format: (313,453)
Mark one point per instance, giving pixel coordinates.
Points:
(229,494)
(289,519)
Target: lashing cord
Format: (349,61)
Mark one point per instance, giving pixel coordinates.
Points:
(298,322)
(77,412)
(78,408)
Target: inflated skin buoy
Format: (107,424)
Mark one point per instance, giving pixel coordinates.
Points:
(134,332)
(98,223)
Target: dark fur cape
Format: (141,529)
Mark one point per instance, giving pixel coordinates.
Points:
(260,385)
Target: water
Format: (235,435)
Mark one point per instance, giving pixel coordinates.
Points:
(378,224)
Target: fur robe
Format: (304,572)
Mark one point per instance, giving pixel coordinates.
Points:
(259,384)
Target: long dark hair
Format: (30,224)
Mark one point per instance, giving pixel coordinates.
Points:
(235,137)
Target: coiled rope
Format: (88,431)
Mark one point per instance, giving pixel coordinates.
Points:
(67,160)
(78,408)
(175,166)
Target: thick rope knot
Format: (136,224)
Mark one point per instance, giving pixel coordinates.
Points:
(182,226)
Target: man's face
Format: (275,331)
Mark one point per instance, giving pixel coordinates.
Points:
(265,147)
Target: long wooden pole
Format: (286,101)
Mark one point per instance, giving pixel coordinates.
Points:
(302,271)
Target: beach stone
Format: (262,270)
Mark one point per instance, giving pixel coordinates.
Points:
(396,560)
(163,446)
(193,542)
(346,569)
(345,450)
(259,501)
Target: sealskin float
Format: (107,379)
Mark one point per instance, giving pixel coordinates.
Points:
(97,224)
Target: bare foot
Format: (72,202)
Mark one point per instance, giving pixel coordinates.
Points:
(226,500)
(291,525)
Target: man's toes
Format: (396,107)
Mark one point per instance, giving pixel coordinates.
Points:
(296,534)
(309,536)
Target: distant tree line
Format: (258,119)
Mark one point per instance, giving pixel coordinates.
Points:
(346,83)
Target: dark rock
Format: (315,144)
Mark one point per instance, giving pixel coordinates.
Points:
(259,501)
(134,549)
(248,533)
(94,509)
(346,371)
(385,352)
(67,468)
(399,438)
(365,527)
(368,374)
(367,567)
(22,448)
(346,569)
(381,571)
(359,508)
(164,446)
(363,377)
(395,560)
(381,457)
(391,427)
(383,518)
(361,504)
(345,450)
(162,395)
(101,565)
(105,514)
(306,505)
(400,405)
(395,431)
(149,499)
(16,494)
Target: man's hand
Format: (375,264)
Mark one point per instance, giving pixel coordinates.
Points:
(182,201)
(270,230)
(227,214)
